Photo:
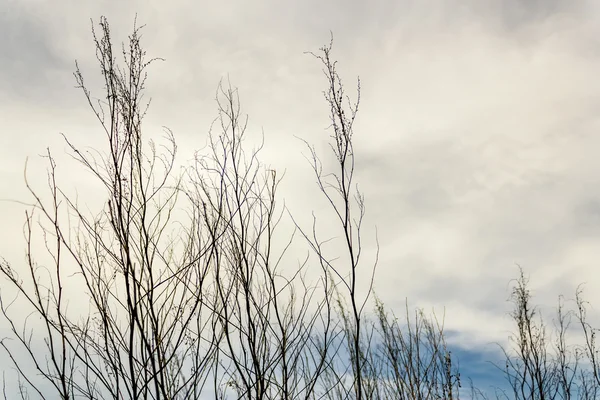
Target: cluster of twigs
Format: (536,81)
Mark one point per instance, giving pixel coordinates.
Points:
(204,306)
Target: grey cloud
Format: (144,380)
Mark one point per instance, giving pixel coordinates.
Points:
(586,216)
(29,56)
(517,14)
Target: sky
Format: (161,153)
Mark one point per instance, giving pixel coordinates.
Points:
(476,139)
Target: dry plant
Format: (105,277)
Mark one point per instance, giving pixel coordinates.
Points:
(204,306)
(542,363)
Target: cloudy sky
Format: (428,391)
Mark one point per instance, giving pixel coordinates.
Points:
(476,140)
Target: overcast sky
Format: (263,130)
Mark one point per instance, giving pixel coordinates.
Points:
(477,141)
